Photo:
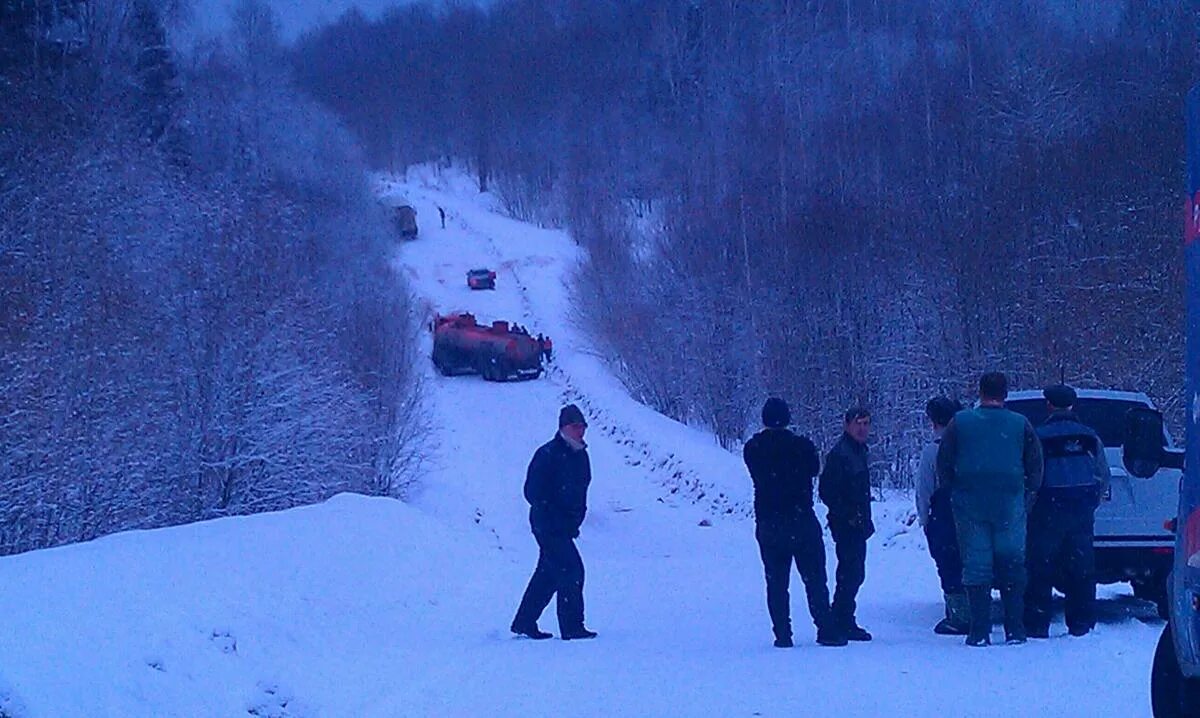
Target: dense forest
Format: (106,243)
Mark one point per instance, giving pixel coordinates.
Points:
(835,201)
(197,318)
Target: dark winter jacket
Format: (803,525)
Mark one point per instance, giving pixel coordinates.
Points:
(556,487)
(782,466)
(1076,469)
(991,460)
(845,487)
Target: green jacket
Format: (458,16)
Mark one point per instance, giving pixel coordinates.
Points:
(991,460)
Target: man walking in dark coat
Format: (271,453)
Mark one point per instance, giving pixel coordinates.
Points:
(845,488)
(991,461)
(556,487)
(936,517)
(1063,520)
(783,466)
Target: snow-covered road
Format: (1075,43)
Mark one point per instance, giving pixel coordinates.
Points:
(372,607)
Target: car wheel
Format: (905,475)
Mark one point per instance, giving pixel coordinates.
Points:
(492,370)
(500,367)
(1171,694)
(1155,591)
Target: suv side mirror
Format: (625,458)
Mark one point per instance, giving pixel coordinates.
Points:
(1144,442)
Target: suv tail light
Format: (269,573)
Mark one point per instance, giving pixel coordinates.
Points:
(1191,539)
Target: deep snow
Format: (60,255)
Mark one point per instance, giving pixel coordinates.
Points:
(373,607)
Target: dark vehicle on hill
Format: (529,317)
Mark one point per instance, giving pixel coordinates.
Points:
(495,352)
(481,279)
(405,219)
(1175,677)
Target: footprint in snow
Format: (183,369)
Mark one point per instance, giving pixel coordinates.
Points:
(273,701)
(224,640)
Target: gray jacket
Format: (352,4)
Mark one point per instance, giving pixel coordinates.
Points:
(927,479)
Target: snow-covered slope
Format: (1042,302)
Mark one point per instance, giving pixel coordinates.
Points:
(372,607)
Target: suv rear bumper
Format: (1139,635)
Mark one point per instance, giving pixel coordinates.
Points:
(1125,558)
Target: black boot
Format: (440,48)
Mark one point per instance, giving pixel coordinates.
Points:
(829,635)
(1013,598)
(855,632)
(980,598)
(531,631)
(577,634)
(958,616)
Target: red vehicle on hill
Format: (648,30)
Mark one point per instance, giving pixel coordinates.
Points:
(496,352)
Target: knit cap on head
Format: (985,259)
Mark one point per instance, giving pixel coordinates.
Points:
(1060,396)
(775,413)
(570,414)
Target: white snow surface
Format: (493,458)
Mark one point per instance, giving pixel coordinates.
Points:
(376,607)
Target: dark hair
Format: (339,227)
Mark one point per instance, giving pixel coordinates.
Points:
(993,385)
(855,413)
(941,410)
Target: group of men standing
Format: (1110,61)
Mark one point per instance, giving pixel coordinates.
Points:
(1019,505)
(1003,505)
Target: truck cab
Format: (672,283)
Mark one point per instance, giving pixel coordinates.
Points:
(1131,541)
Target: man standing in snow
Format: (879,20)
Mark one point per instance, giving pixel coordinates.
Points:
(845,488)
(937,519)
(442,212)
(1063,520)
(783,466)
(991,461)
(556,487)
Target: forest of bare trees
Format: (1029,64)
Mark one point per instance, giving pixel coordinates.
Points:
(835,201)
(197,318)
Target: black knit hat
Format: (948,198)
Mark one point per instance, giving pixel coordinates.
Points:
(1060,396)
(941,410)
(570,414)
(776,414)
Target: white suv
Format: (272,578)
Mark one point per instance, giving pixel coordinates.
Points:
(1132,544)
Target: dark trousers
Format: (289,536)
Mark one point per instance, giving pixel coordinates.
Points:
(943,542)
(1059,546)
(559,572)
(780,547)
(850,545)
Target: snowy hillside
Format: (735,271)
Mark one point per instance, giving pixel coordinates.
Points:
(372,607)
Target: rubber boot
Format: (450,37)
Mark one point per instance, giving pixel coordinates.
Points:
(958,616)
(1013,598)
(979,599)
